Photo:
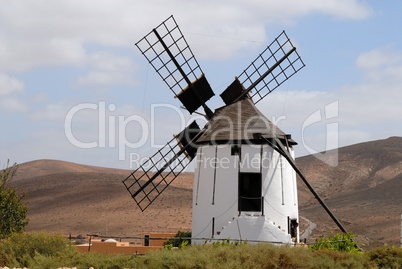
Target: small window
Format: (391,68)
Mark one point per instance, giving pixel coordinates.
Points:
(250,198)
(235,150)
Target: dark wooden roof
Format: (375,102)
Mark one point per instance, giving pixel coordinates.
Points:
(240,121)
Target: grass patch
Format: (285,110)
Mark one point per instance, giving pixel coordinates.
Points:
(42,250)
(252,256)
(19,249)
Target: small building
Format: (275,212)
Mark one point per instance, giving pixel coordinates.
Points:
(149,241)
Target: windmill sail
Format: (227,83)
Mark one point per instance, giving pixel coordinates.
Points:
(277,63)
(153,176)
(168,52)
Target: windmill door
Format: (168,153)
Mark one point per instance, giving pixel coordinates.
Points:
(250,189)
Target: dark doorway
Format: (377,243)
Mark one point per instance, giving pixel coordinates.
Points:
(146,240)
(250,197)
(293,227)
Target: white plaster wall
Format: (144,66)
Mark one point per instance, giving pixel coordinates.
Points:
(254,229)
(226,188)
(202,193)
(214,199)
(271,188)
(278,189)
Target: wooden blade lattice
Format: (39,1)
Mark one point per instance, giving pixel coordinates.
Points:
(153,176)
(156,54)
(277,63)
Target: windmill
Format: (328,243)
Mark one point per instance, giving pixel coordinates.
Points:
(245,174)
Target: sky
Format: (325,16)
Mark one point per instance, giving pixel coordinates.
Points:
(74,87)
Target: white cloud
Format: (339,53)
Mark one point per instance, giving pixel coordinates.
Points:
(377,97)
(346,9)
(23,54)
(107,61)
(381,65)
(36,33)
(286,11)
(56,111)
(108,69)
(377,58)
(10,85)
(10,90)
(12,104)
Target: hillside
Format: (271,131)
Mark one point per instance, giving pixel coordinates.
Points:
(72,198)
(363,191)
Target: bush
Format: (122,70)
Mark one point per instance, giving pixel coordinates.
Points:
(228,242)
(13,211)
(180,240)
(19,249)
(386,257)
(40,250)
(339,242)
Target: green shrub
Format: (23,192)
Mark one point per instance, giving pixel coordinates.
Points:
(47,251)
(13,211)
(228,242)
(339,242)
(181,239)
(19,249)
(386,257)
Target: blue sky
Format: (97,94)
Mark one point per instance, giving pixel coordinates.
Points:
(59,56)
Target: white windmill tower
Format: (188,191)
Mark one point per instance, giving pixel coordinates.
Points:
(243,189)
(245,176)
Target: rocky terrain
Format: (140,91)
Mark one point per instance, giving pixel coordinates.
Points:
(363,190)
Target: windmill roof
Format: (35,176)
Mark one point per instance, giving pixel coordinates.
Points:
(240,121)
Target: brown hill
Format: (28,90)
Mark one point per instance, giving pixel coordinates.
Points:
(363,191)
(71,198)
